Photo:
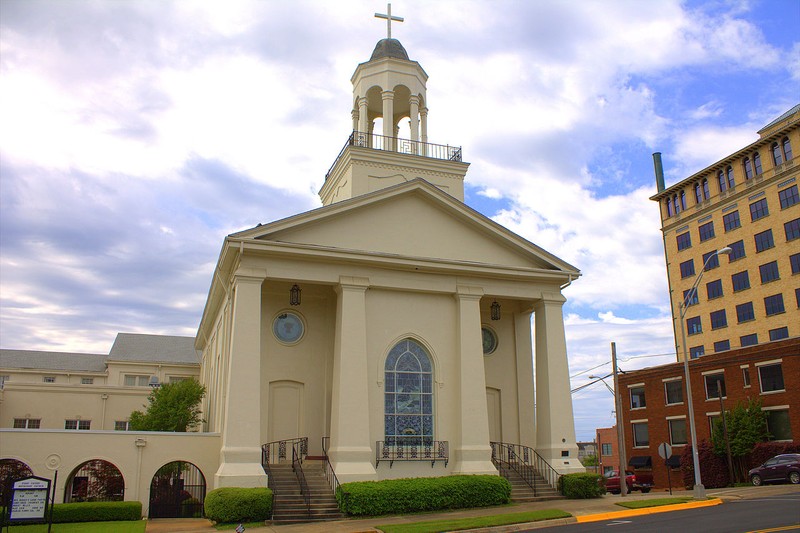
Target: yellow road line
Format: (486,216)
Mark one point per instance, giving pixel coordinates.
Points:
(647,510)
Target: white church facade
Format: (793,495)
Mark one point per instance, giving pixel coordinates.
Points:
(393,318)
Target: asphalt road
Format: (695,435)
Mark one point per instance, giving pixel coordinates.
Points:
(738,516)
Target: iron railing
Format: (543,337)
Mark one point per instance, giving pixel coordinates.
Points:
(525,462)
(426,450)
(277,452)
(398,145)
(297,468)
(330,474)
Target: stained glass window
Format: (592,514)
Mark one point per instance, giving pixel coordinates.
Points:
(408,400)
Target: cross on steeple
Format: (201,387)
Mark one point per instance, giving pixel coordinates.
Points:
(389,18)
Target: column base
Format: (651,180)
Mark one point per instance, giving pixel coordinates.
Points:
(240,467)
(562,465)
(474,460)
(352,464)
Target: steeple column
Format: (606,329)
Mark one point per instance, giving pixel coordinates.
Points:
(355,116)
(413,102)
(423,119)
(363,116)
(388,119)
(473,455)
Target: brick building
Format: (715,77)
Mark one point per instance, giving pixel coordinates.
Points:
(654,408)
(608,446)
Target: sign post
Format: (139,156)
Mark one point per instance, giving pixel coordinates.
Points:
(665,452)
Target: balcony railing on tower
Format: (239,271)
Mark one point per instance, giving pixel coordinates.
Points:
(398,145)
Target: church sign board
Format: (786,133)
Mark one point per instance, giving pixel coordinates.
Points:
(29,498)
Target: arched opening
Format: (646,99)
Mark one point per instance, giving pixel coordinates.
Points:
(95,481)
(11,471)
(178,490)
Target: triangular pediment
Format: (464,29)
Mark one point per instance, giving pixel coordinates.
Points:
(411,220)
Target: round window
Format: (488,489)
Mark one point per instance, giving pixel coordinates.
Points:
(288,327)
(489,340)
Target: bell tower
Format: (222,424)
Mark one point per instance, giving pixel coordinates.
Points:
(391,88)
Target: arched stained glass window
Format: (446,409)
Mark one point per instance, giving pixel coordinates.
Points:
(408,400)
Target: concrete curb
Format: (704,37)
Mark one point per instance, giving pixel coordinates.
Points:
(647,510)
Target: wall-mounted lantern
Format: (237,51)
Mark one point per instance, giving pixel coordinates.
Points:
(294,295)
(495,310)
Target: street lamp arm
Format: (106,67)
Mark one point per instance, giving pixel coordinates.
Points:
(693,291)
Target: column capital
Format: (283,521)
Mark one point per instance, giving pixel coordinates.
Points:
(468,292)
(550,298)
(249,274)
(387,95)
(413,99)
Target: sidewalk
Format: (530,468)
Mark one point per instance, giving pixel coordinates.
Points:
(578,508)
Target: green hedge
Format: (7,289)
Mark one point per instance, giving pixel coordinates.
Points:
(395,496)
(582,486)
(236,504)
(94,512)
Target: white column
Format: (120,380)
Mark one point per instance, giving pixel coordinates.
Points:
(423,118)
(240,456)
(388,119)
(414,105)
(471,452)
(363,116)
(351,452)
(524,361)
(355,114)
(555,424)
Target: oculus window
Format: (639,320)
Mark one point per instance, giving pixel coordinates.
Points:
(288,327)
(489,340)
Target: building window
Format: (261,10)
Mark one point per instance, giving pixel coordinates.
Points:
(718,319)
(779,333)
(748,340)
(778,424)
(713,420)
(769,272)
(788,197)
(757,163)
(797,296)
(641,438)
(706,190)
(27,423)
(408,376)
(697,196)
(684,241)
(759,209)
(697,351)
(683,200)
(669,207)
(706,231)
(794,261)
(675,203)
(673,391)
(722,346)
(787,149)
(121,425)
(729,172)
(777,158)
(637,397)
(745,312)
(687,268)
(741,281)
(792,229)
(711,260)
(177,379)
(606,449)
(721,181)
(748,168)
(694,300)
(694,325)
(87,381)
(677,431)
(3,380)
(715,385)
(764,240)
(731,221)
(136,381)
(714,289)
(771,377)
(78,424)
(737,251)
(773,305)
(746,376)
(49,379)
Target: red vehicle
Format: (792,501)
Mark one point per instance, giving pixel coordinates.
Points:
(784,467)
(642,482)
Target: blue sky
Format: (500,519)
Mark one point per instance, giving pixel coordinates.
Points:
(135,135)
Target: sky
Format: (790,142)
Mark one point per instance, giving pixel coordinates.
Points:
(136,135)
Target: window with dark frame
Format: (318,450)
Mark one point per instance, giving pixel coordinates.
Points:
(729,172)
(746,376)
(778,424)
(718,319)
(677,431)
(694,325)
(737,251)
(641,437)
(757,163)
(711,260)
(673,391)
(697,351)
(748,340)
(607,449)
(748,168)
(764,240)
(697,196)
(27,423)
(779,333)
(788,197)
(759,209)
(777,158)
(794,262)
(731,221)
(714,289)
(792,229)
(81,425)
(773,305)
(771,377)
(706,189)
(706,231)
(687,268)
(769,272)
(638,400)
(787,149)
(715,384)
(740,281)
(684,241)
(694,301)
(722,346)
(745,312)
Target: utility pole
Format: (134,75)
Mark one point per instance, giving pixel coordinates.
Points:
(623,486)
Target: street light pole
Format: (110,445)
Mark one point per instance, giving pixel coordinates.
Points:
(699,489)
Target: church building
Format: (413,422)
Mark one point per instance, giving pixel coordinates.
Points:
(394,322)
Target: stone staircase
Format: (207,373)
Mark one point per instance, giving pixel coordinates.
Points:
(521,492)
(289,505)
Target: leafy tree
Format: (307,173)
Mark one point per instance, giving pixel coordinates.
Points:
(747,426)
(172,407)
(590,460)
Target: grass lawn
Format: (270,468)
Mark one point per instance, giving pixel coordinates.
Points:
(640,504)
(85,527)
(247,525)
(434,526)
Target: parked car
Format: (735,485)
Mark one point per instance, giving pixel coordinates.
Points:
(642,482)
(784,467)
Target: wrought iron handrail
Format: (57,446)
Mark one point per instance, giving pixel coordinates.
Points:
(427,450)
(276,451)
(399,145)
(525,462)
(297,468)
(330,473)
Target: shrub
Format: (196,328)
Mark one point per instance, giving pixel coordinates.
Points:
(582,485)
(96,511)
(236,504)
(394,496)
(713,468)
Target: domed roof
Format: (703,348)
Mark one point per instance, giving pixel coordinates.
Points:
(389,48)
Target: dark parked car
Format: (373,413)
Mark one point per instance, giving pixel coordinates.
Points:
(785,467)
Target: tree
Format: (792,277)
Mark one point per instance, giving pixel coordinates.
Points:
(747,426)
(172,407)
(590,460)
